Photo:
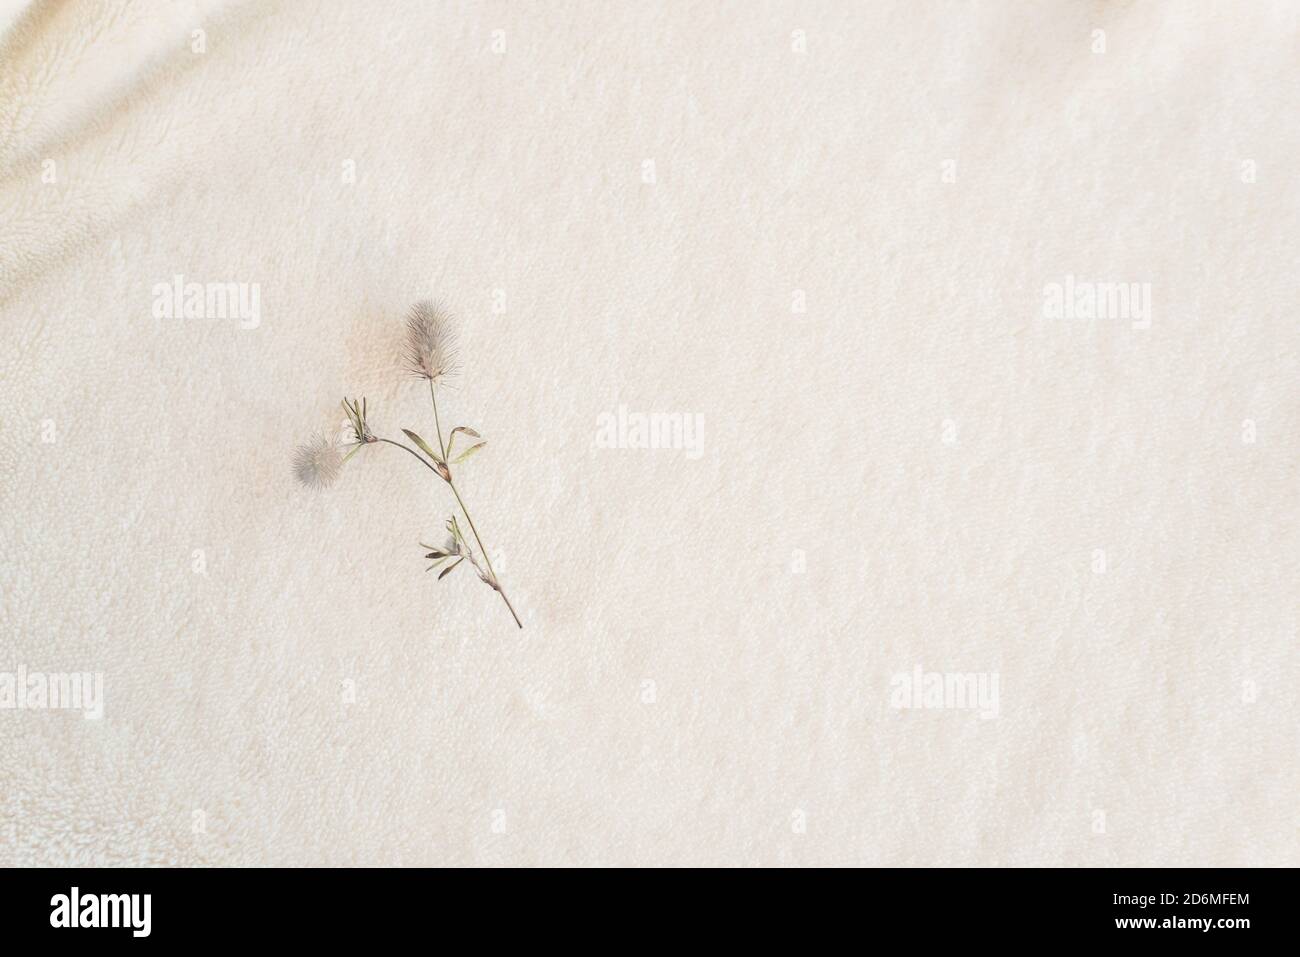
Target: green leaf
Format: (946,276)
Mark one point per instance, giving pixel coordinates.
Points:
(468,452)
(423,445)
(451,439)
(449,569)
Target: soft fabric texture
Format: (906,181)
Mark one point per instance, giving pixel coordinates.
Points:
(830,233)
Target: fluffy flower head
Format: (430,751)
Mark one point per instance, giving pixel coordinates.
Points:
(317,463)
(430,351)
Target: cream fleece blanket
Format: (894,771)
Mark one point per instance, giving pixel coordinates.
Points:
(967,533)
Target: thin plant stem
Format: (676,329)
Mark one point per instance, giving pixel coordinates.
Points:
(496,582)
(483,548)
(438,425)
(418,456)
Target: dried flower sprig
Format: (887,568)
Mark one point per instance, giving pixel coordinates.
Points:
(455,547)
(358,422)
(430,354)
